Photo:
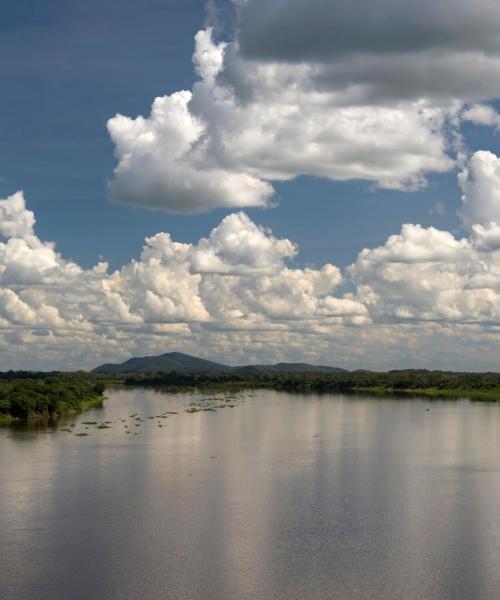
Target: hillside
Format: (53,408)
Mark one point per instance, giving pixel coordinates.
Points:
(171,361)
(184,363)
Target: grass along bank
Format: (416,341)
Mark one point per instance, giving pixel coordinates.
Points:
(486,395)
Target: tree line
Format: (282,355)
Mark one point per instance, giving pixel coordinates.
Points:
(24,394)
(390,381)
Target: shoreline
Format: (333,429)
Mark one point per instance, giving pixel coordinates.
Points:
(484,395)
(7,419)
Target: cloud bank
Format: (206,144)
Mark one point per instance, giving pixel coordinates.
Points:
(425,296)
(322,30)
(233,283)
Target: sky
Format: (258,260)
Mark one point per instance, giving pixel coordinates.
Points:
(250,181)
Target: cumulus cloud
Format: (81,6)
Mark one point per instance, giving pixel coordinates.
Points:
(329,89)
(164,162)
(235,280)
(15,220)
(480,183)
(239,246)
(482,114)
(423,297)
(248,123)
(24,259)
(486,237)
(424,274)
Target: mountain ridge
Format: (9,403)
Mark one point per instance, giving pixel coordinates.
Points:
(185,363)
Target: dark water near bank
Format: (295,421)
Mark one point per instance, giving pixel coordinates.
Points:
(281,497)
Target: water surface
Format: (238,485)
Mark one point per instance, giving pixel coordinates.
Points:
(282,497)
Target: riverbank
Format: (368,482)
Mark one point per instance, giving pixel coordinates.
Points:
(31,396)
(89,404)
(485,395)
(431,384)
(48,396)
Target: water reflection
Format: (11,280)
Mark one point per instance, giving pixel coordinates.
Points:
(285,496)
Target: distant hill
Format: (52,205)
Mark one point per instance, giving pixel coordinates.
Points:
(171,361)
(184,363)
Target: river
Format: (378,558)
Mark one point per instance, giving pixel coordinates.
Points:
(276,496)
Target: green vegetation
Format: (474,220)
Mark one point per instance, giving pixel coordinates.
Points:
(446,384)
(5,419)
(486,395)
(25,395)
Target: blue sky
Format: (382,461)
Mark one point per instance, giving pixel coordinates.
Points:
(69,67)
(66,68)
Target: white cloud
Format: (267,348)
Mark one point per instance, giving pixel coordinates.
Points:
(480,183)
(421,298)
(313,88)
(159,288)
(15,220)
(232,281)
(429,275)
(486,237)
(164,161)
(482,114)
(24,259)
(238,246)
(246,124)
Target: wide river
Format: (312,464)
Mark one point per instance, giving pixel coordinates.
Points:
(276,496)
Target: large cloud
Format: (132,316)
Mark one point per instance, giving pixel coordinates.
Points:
(297,30)
(425,274)
(430,275)
(331,89)
(424,297)
(246,124)
(391,49)
(235,280)
(164,162)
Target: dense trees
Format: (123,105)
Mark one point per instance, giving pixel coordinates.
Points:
(431,382)
(25,394)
